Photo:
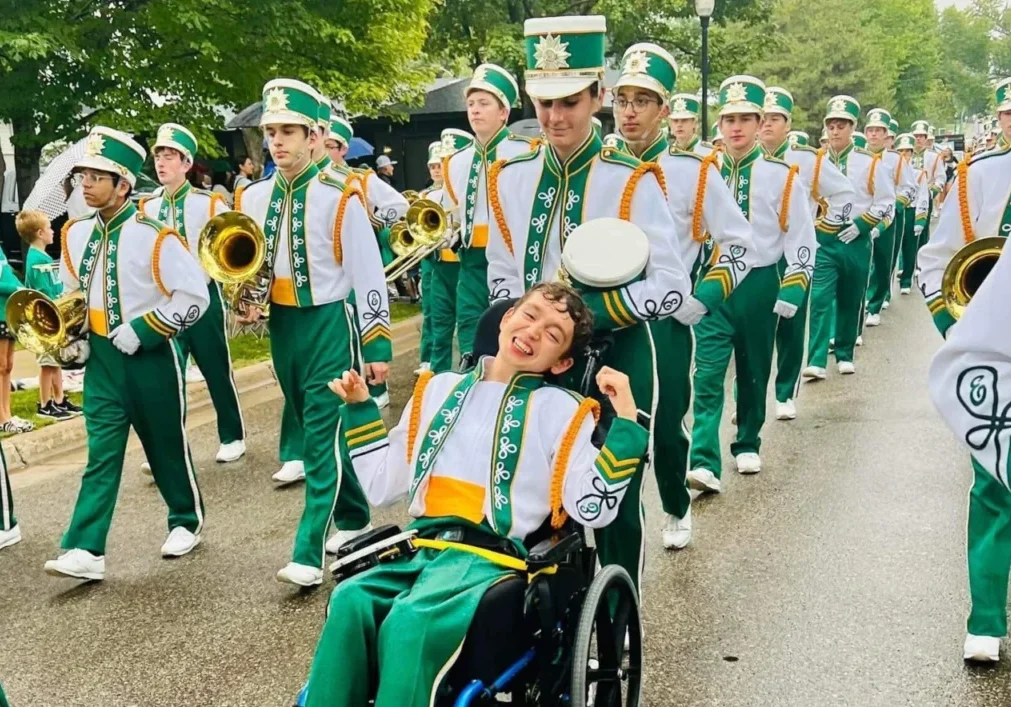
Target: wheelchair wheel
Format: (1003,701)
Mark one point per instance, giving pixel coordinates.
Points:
(603,674)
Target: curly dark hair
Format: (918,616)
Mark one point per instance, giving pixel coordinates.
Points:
(573,305)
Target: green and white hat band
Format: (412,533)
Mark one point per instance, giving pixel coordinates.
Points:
(860,140)
(930,131)
(685,105)
(798,137)
(1002,96)
(905,141)
(111,151)
(778,100)
(893,127)
(844,108)
(742,94)
(286,101)
(598,127)
(565,55)
(920,127)
(651,67)
(496,81)
(178,138)
(323,116)
(878,118)
(341,130)
(435,152)
(614,140)
(714,131)
(454,140)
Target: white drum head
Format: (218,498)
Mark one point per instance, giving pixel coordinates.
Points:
(606,253)
(378,547)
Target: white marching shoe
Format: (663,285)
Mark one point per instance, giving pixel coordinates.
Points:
(860,341)
(904,291)
(847,368)
(231,451)
(290,472)
(814,373)
(885,304)
(179,542)
(786,411)
(872,320)
(748,463)
(302,575)
(145,469)
(982,649)
(704,480)
(383,401)
(343,536)
(79,564)
(677,532)
(10,537)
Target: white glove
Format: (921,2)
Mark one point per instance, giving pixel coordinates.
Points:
(876,232)
(849,234)
(77,352)
(785,309)
(917,230)
(691,312)
(125,339)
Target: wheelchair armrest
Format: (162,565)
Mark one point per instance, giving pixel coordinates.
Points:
(367,539)
(553,550)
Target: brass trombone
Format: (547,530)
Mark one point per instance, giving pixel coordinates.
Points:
(233,251)
(43,325)
(424,230)
(967,270)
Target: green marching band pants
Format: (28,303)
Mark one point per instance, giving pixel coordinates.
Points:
(290,441)
(394,631)
(899,238)
(989,554)
(443,313)
(839,285)
(674,343)
(880,280)
(907,253)
(146,391)
(304,369)
(790,348)
(745,326)
(207,340)
(427,339)
(471,295)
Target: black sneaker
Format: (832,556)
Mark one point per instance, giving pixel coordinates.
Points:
(69,407)
(51,411)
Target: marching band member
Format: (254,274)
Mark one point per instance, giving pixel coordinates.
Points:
(828,190)
(403,621)
(904,196)
(931,175)
(844,257)
(969,381)
(434,193)
(149,290)
(903,178)
(186,210)
(905,145)
(641,95)
(775,202)
(684,124)
(539,197)
(490,96)
(319,246)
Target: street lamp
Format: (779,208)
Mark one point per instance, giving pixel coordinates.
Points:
(704,9)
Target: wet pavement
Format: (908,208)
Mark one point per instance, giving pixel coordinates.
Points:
(836,576)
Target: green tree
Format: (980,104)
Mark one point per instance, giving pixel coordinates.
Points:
(131,64)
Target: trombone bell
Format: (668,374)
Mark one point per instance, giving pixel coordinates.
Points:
(422,232)
(233,251)
(966,271)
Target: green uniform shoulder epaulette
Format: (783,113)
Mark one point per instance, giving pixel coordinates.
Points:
(804,148)
(203,192)
(616,156)
(775,160)
(675,151)
(521,157)
(862,151)
(331,181)
(520,138)
(995,152)
(148,221)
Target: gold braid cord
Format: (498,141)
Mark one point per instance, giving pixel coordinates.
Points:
(156,258)
(237,199)
(414,421)
(65,246)
(216,198)
(700,197)
(963,201)
(784,209)
(446,181)
(625,208)
(816,179)
(870,174)
(588,406)
(338,247)
(496,204)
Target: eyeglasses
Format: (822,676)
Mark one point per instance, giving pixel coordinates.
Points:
(639,104)
(88,178)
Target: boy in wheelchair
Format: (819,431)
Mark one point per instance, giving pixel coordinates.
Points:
(485,459)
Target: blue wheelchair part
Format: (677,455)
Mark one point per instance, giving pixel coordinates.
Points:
(477,689)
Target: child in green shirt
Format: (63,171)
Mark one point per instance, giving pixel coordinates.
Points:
(42,273)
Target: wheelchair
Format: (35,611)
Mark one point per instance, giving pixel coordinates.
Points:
(553,635)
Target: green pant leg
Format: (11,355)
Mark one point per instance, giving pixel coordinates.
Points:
(790,349)
(157,411)
(823,300)
(422,635)
(989,554)
(345,668)
(899,229)
(881,269)
(623,542)
(108,427)
(908,250)
(714,344)
(471,295)
(445,280)
(425,349)
(670,450)
(207,340)
(7,518)
(754,342)
(290,440)
(850,294)
(3,698)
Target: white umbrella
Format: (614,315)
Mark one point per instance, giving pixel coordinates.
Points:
(48,195)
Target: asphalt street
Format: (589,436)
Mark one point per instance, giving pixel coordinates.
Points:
(836,576)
